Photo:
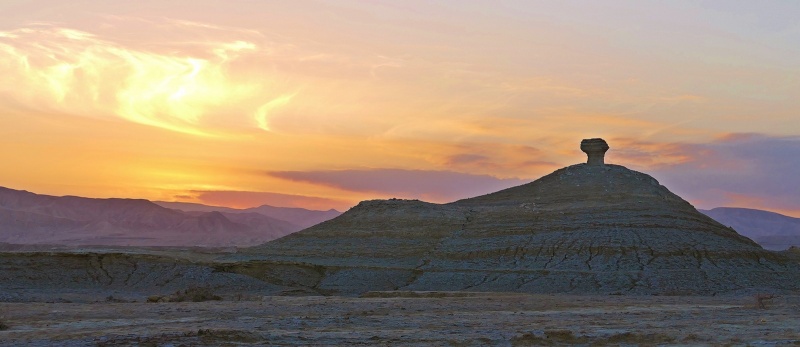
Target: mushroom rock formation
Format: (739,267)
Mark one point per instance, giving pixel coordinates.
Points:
(585,228)
(595,149)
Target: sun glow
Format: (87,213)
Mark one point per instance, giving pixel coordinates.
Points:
(79,73)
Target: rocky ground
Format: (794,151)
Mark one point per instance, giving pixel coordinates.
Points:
(410,318)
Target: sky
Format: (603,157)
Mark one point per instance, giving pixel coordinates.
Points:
(321,104)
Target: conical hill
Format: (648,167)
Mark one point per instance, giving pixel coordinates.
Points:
(587,228)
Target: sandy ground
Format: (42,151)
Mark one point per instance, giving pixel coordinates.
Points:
(440,319)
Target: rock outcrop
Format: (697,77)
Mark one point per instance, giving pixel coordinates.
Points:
(595,149)
(587,228)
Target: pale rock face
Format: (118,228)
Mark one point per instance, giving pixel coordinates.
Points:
(595,149)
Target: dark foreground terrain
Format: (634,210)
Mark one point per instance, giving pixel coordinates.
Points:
(409,318)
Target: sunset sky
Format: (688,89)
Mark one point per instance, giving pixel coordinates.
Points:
(321,104)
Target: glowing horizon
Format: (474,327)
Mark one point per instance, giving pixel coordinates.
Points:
(309,103)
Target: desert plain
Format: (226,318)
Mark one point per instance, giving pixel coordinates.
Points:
(409,319)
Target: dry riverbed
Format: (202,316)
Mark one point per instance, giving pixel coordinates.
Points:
(439,319)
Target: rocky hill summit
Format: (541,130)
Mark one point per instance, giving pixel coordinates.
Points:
(586,228)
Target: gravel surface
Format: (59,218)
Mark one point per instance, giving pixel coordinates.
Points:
(411,319)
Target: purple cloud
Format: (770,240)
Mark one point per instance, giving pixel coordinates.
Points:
(746,170)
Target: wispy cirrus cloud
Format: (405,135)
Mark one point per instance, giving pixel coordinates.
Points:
(174,83)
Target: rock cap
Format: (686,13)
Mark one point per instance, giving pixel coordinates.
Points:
(595,149)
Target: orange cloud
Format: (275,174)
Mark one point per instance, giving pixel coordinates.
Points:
(651,154)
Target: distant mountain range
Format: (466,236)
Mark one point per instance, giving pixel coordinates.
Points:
(28,218)
(771,230)
(297,216)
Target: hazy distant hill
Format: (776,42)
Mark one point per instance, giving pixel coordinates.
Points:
(771,230)
(297,216)
(28,218)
